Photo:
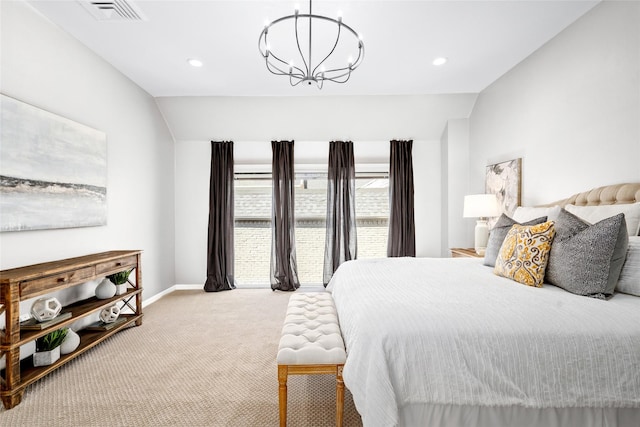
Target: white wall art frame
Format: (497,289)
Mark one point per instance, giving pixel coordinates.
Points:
(53,171)
(504,180)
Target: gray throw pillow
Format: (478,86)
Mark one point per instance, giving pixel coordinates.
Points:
(586,259)
(499,232)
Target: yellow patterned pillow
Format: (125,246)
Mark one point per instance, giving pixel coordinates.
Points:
(524,253)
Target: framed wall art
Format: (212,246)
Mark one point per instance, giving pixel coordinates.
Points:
(53,171)
(504,180)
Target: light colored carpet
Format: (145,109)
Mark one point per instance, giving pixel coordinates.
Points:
(199,359)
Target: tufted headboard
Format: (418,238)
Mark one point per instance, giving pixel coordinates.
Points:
(607,195)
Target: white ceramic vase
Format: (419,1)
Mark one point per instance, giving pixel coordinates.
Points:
(105,289)
(70,342)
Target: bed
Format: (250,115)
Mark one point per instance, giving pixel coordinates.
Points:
(445,342)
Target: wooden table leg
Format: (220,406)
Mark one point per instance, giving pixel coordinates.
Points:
(12,400)
(282,393)
(339,396)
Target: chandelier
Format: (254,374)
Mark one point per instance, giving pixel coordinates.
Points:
(307,71)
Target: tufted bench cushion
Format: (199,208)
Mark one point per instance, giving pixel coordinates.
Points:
(311,334)
(311,343)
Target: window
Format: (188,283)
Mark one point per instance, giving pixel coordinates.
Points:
(253,224)
(252,239)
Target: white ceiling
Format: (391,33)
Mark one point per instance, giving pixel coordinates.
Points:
(482,39)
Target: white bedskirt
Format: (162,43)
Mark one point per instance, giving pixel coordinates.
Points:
(424,336)
(516,416)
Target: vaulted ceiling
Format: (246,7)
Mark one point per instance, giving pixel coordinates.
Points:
(481,39)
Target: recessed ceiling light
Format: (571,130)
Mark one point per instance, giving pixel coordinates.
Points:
(439,61)
(194,62)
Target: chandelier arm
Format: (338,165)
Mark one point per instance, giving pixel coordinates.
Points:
(348,70)
(339,76)
(335,79)
(360,57)
(278,71)
(310,21)
(338,70)
(278,59)
(263,35)
(306,66)
(281,72)
(332,49)
(300,80)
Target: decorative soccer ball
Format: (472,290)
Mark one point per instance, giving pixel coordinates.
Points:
(44,309)
(109,314)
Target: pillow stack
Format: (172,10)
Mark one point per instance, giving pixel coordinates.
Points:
(570,252)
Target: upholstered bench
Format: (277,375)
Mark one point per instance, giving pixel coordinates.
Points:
(311,343)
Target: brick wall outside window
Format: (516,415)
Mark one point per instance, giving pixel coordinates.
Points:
(253,229)
(253,249)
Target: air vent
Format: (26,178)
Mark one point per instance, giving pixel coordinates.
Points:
(114,10)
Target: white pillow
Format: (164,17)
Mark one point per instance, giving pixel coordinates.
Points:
(526,213)
(629,281)
(594,214)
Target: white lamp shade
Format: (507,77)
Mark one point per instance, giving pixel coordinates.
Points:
(481,206)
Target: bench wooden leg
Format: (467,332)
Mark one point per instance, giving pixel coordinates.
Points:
(283,373)
(339,396)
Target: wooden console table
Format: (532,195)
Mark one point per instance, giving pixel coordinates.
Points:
(19,284)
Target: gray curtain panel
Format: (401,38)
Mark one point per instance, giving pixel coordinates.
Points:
(402,227)
(341,241)
(220,256)
(284,270)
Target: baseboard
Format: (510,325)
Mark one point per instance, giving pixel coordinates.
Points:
(183,287)
(167,291)
(196,287)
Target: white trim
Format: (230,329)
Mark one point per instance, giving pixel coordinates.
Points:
(184,287)
(196,287)
(156,297)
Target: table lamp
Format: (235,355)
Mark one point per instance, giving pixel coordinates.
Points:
(481,206)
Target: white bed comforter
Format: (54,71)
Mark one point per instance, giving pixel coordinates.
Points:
(448,331)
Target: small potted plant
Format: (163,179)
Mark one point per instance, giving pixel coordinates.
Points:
(48,347)
(120,279)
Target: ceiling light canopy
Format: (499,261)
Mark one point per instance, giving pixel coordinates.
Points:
(281,61)
(194,62)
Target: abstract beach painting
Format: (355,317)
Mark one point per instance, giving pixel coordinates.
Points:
(53,171)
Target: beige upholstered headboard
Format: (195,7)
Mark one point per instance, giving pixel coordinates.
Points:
(607,195)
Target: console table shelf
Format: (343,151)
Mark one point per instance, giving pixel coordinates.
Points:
(23,283)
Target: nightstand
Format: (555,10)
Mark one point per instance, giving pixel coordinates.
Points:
(464,253)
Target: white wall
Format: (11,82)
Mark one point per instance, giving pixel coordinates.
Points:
(192,193)
(571,110)
(313,118)
(46,67)
(454,150)
(252,122)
